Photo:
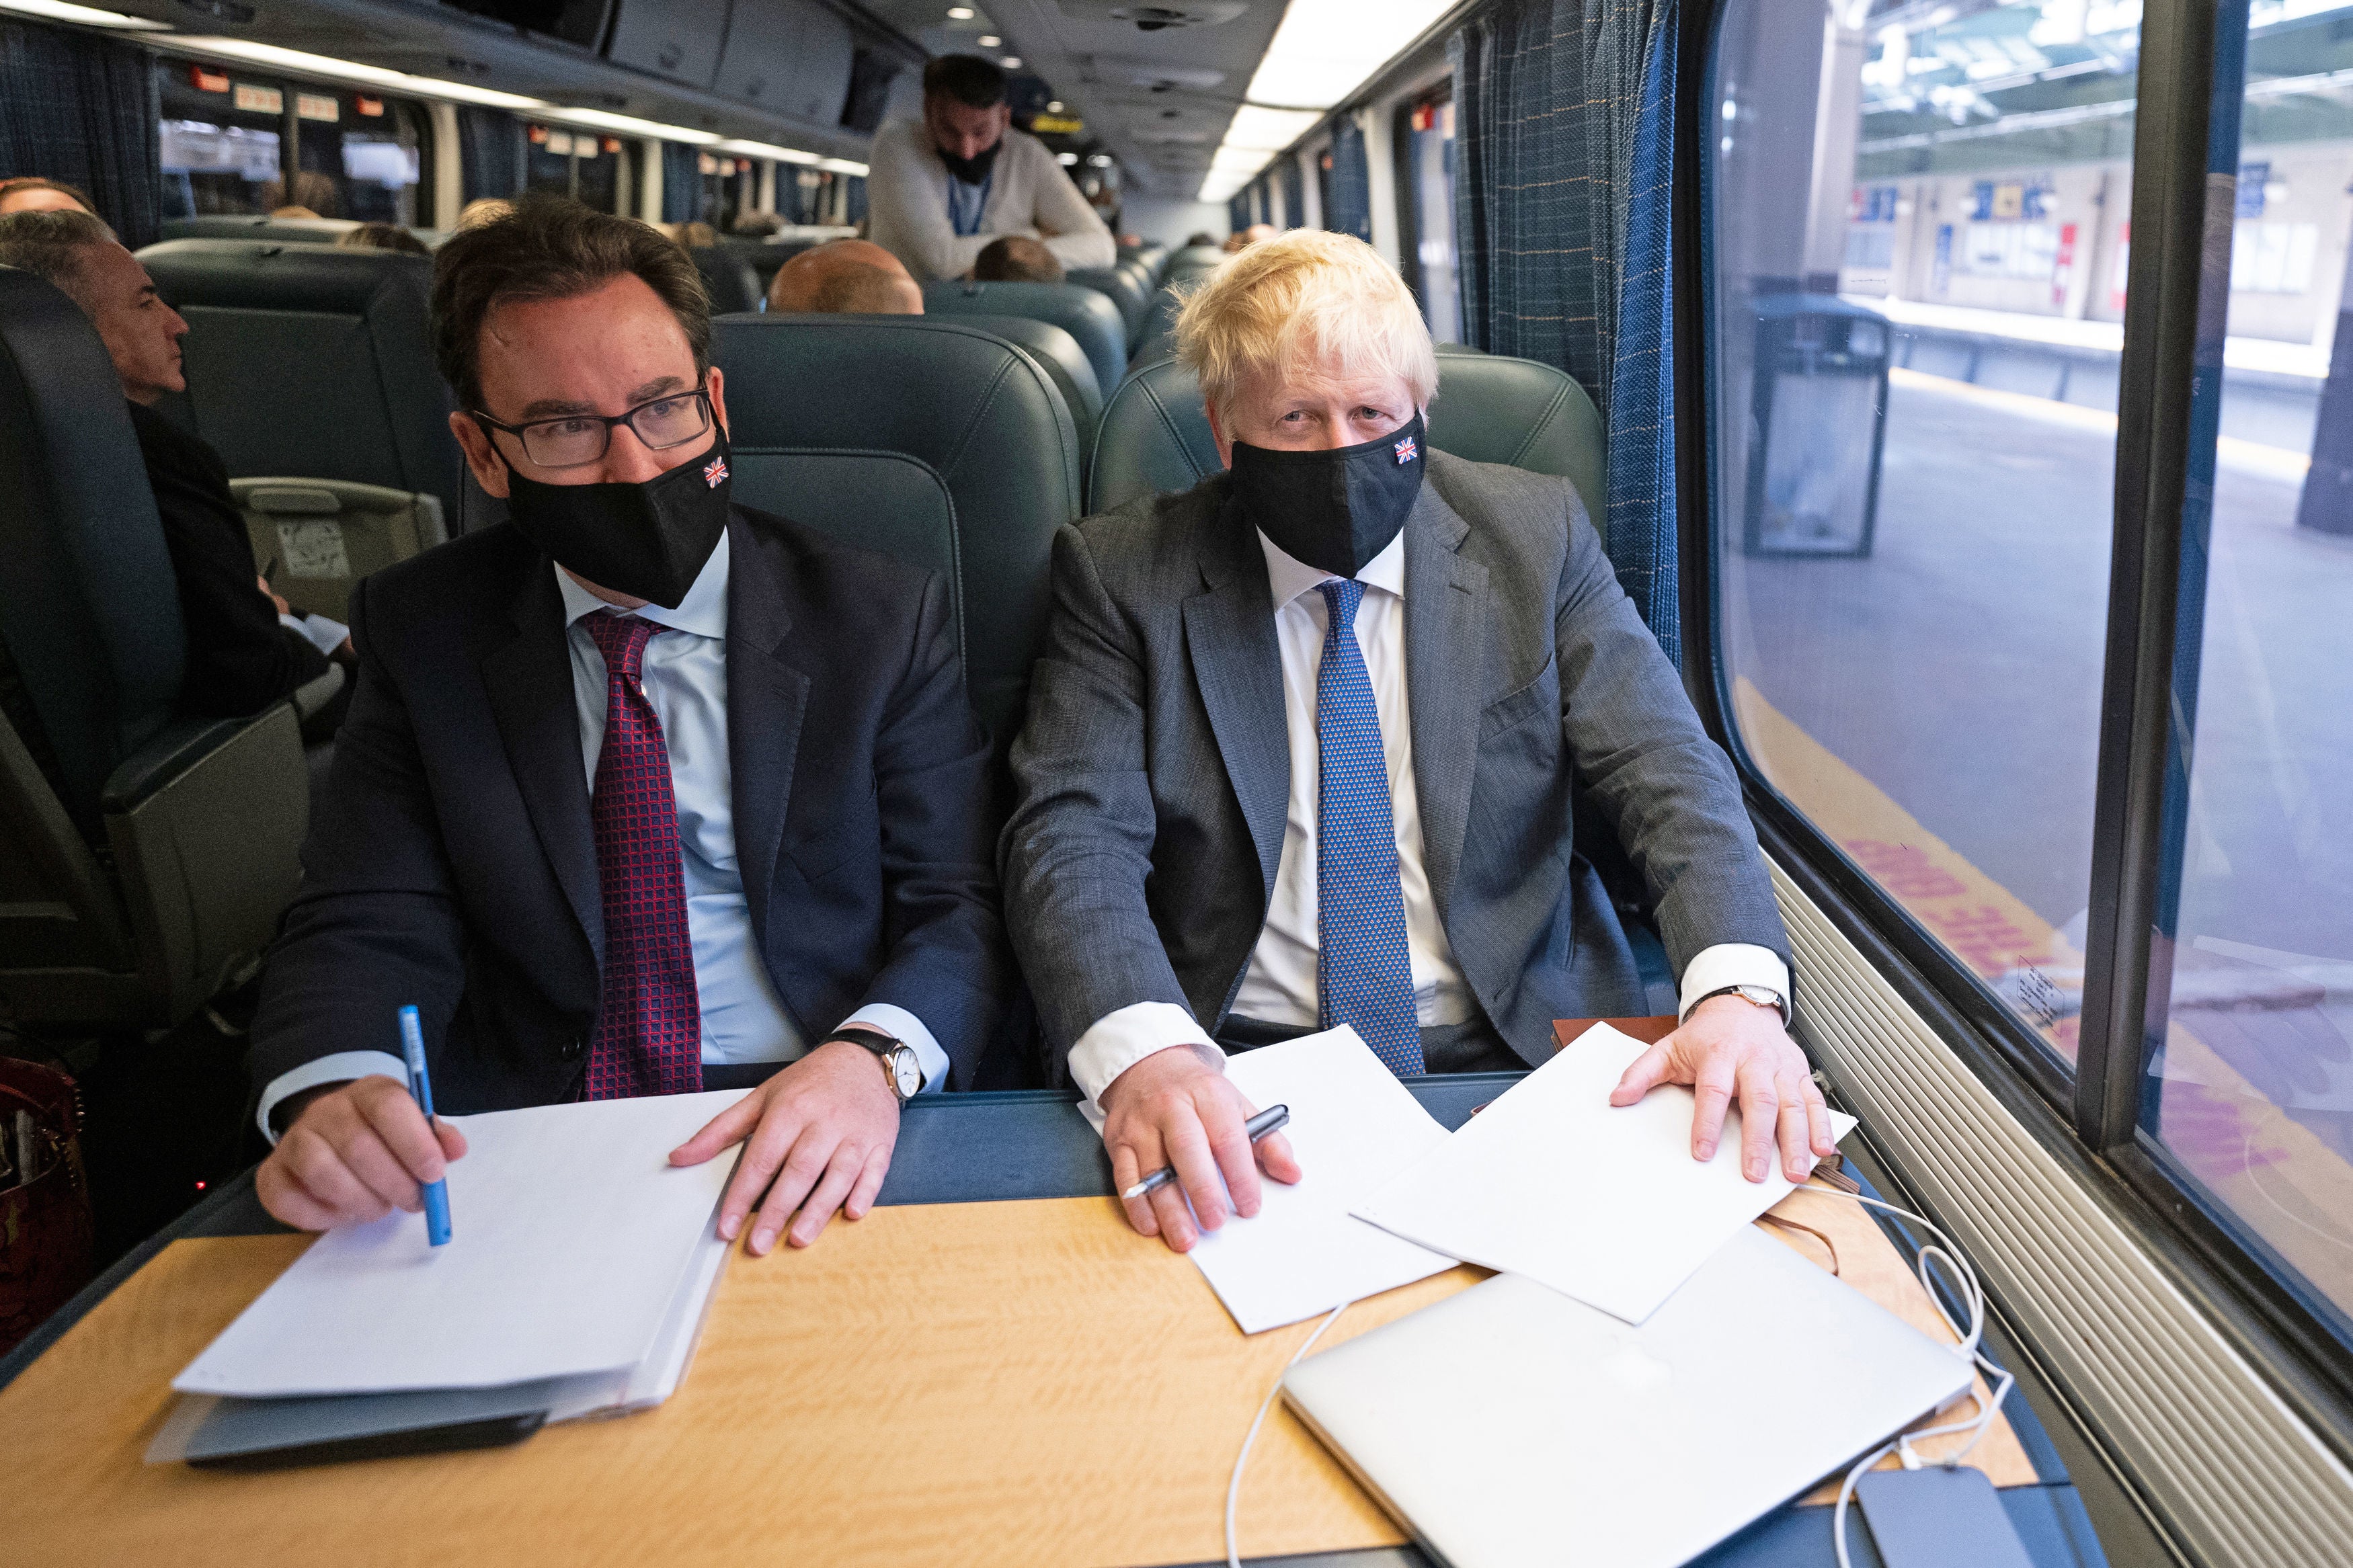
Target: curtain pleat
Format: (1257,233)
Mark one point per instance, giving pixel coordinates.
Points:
(682,182)
(1563,149)
(1352,181)
(491,152)
(1237,211)
(83,109)
(1295,202)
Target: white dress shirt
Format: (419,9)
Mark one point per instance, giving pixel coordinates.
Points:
(684,677)
(1282,984)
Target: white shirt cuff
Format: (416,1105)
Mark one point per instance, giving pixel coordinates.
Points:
(1733,964)
(343,1067)
(903,1024)
(1125,1036)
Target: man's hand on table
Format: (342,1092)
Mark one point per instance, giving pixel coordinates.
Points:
(1731,1049)
(1178,1108)
(355,1152)
(822,1129)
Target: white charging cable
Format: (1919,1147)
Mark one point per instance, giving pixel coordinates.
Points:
(1234,1487)
(1971,1338)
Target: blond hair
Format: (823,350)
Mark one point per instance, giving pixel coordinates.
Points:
(1304,295)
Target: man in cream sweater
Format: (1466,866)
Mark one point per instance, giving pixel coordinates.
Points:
(939,189)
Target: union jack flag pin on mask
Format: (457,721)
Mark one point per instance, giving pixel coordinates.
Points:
(1407,452)
(716,469)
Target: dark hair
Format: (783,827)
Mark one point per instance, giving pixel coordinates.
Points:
(972,81)
(382,237)
(553,248)
(37,183)
(49,245)
(1016,258)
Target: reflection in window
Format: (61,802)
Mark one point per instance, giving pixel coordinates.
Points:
(1914,384)
(2250,1098)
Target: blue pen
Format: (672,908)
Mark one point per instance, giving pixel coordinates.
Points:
(437,1193)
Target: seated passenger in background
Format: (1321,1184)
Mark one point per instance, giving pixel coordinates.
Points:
(854,276)
(1201,236)
(482,210)
(294,210)
(382,237)
(1242,241)
(31,194)
(758,225)
(1015,259)
(694,234)
(1301,750)
(641,793)
(242,657)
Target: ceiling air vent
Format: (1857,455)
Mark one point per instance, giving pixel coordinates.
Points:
(1153,18)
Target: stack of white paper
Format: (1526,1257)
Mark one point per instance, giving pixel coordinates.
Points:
(1351,1123)
(581,1261)
(1602,1203)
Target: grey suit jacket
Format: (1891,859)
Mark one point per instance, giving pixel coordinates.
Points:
(1153,774)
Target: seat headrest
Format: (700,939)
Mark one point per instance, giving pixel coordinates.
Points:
(935,440)
(1087,314)
(89,605)
(272,274)
(1155,437)
(285,230)
(732,285)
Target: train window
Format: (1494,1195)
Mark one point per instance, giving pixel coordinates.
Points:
(219,135)
(1915,376)
(1430,162)
(576,164)
(2249,1098)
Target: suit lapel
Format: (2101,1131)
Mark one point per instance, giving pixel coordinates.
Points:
(529,681)
(1237,666)
(766,698)
(1445,653)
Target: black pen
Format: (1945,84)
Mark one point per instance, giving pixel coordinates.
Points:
(1258,1127)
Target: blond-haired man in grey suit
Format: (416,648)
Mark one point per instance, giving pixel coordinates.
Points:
(1307,746)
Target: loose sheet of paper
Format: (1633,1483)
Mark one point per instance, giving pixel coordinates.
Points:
(1603,1204)
(1351,1123)
(573,1232)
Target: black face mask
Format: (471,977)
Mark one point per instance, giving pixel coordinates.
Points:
(972,171)
(1337,509)
(648,540)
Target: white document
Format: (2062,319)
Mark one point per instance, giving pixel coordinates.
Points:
(1602,1203)
(571,1236)
(1351,1123)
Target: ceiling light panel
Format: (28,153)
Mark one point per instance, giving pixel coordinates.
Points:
(84,16)
(1326,49)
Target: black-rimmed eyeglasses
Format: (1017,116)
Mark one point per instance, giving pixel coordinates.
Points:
(574,439)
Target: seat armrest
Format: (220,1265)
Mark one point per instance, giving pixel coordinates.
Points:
(170,752)
(316,693)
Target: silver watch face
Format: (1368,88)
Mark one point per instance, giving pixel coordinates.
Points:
(905,1072)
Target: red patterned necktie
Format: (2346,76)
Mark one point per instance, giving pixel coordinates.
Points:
(648,1037)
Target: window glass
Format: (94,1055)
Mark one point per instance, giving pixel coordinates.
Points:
(217,139)
(1430,154)
(576,164)
(2250,1097)
(1916,324)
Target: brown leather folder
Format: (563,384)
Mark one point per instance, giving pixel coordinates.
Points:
(1650,1031)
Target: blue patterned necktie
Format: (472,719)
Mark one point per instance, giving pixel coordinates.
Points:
(1365,974)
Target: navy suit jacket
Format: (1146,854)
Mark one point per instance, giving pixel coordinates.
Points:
(452,862)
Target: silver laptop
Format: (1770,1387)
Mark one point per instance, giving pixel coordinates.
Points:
(1513,1424)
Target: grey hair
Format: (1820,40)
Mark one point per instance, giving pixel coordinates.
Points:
(49,246)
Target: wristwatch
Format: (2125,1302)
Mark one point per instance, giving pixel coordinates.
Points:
(1758,996)
(901,1069)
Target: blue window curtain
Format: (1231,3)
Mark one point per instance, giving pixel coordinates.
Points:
(857,197)
(1294,205)
(1238,214)
(1564,144)
(682,182)
(1262,201)
(1352,181)
(491,152)
(82,109)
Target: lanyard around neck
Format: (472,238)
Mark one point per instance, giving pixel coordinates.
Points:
(968,223)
